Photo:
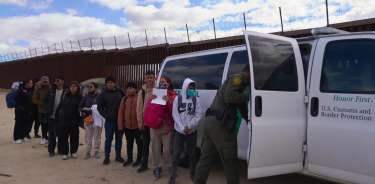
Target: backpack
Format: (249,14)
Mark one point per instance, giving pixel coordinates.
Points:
(11,100)
(180,103)
(154,115)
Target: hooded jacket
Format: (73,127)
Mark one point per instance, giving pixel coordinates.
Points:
(188,117)
(108,104)
(25,99)
(127,114)
(49,99)
(68,110)
(87,101)
(142,103)
(38,98)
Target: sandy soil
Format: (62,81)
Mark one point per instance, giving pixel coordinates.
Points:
(29,163)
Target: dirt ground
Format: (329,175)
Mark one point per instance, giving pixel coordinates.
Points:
(29,163)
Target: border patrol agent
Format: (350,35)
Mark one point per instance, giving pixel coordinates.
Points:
(219,137)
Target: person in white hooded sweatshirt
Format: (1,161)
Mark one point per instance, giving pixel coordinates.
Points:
(186,116)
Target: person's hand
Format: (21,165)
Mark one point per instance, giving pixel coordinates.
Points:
(142,127)
(24,91)
(186,130)
(166,98)
(153,97)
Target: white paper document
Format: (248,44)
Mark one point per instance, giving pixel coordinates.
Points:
(159,94)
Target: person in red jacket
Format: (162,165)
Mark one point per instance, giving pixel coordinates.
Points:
(163,134)
(127,121)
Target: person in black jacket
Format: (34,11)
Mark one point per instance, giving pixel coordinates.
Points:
(35,114)
(108,106)
(50,102)
(23,111)
(69,120)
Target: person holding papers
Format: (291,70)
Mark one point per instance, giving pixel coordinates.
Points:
(162,135)
(186,114)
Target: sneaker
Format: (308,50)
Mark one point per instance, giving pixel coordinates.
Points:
(106,160)
(25,139)
(97,154)
(44,141)
(74,155)
(128,163)
(17,141)
(65,157)
(137,163)
(37,136)
(172,180)
(28,136)
(51,154)
(157,173)
(142,169)
(88,155)
(119,159)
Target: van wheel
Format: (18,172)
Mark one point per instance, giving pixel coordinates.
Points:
(184,158)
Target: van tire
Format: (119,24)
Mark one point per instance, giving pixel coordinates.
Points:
(184,158)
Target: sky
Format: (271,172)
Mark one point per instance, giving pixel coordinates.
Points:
(27,24)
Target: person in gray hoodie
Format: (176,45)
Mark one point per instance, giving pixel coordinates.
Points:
(186,114)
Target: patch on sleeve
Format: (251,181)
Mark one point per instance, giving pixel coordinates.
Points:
(237,81)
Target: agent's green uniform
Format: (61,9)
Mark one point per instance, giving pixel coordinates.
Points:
(217,141)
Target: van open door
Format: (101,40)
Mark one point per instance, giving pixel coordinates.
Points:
(278,112)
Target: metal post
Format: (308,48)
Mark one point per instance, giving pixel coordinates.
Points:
(281,19)
(48,48)
(91,43)
(327,13)
(213,22)
(146,38)
(165,34)
(187,31)
(71,46)
(102,42)
(20,55)
(31,55)
(62,45)
(36,52)
(55,48)
(115,41)
(42,49)
(25,54)
(244,20)
(130,43)
(79,45)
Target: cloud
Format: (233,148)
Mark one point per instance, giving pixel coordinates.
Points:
(39,4)
(72,12)
(116,4)
(16,2)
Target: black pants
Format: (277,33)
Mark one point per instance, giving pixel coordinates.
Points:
(20,129)
(36,122)
(130,135)
(146,137)
(54,131)
(178,144)
(44,126)
(73,132)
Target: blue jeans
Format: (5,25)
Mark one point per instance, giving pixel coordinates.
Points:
(110,129)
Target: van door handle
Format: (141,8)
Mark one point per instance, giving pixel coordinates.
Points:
(258,106)
(314,110)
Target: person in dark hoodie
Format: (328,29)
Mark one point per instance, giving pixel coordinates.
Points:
(23,111)
(108,106)
(69,120)
(51,101)
(90,130)
(35,114)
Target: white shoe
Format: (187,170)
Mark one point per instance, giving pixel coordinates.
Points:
(65,157)
(17,141)
(74,155)
(25,139)
(44,141)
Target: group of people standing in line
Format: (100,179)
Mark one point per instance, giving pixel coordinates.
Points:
(61,110)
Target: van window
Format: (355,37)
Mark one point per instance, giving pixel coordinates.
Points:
(237,62)
(349,67)
(305,53)
(206,71)
(274,64)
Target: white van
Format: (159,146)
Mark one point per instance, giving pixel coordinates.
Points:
(311,101)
